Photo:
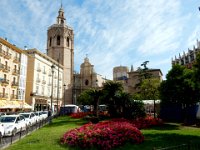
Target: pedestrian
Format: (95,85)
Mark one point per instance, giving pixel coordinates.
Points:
(49,116)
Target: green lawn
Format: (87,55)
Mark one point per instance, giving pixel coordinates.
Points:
(47,138)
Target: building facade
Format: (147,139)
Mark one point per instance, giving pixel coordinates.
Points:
(13,66)
(60,47)
(187,59)
(44,85)
(130,79)
(134,79)
(86,79)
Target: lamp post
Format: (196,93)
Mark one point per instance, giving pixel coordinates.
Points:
(64,94)
(52,71)
(58,82)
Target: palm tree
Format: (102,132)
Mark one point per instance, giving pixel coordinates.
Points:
(111,89)
(95,94)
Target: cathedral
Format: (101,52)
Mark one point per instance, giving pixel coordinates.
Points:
(60,47)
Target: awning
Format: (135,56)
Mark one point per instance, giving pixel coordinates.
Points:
(4,104)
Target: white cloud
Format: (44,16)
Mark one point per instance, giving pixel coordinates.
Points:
(112,33)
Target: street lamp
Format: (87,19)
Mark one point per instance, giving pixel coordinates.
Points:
(52,71)
(64,94)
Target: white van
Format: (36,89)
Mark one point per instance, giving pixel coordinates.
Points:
(69,109)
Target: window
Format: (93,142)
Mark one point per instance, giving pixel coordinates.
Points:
(58,40)
(37,89)
(15,68)
(86,82)
(67,41)
(6,64)
(13,93)
(50,41)
(4,91)
(14,80)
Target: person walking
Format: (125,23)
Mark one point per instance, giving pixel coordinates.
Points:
(50,116)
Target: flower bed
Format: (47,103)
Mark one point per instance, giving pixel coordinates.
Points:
(147,122)
(80,114)
(103,135)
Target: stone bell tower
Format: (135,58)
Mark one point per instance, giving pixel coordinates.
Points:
(60,47)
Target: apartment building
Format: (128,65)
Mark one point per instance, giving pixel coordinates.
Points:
(13,65)
(44,81)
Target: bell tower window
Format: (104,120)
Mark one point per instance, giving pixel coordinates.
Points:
(58,40)
(50,41)
(67,41)
(86,82)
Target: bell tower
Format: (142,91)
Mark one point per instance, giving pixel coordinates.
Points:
(60,47)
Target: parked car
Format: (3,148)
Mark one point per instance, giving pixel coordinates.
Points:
(13,124)
(39,116)
(44,114)
(30,118)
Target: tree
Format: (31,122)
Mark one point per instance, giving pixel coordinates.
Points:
(179,89)
(143,73)
(196,78)
(149,90)
(111,89)
(91,97)
(95,94)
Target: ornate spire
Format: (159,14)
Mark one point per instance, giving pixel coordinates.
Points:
(61,18)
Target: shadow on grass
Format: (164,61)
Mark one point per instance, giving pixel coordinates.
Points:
(167,126)
(165,140)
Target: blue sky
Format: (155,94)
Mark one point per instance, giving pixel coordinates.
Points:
(111,32)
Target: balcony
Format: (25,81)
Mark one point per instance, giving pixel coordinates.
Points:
(16,60)
(6,69)
(4,82)
(1,66)
(2,53)
(15,72)
(3,95)
(43,82)
(49,84)
(15,84)
(39,69)
(38,80)
(7,55)
(13,97)
(49,74)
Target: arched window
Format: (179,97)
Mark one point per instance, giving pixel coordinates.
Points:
(14,80)
(86,82)
(50,41)
(58,40)
(67,41)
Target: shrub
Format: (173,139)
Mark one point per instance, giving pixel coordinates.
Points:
(103,135)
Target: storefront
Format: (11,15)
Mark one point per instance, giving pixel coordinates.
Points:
(13,106)
(41,104)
